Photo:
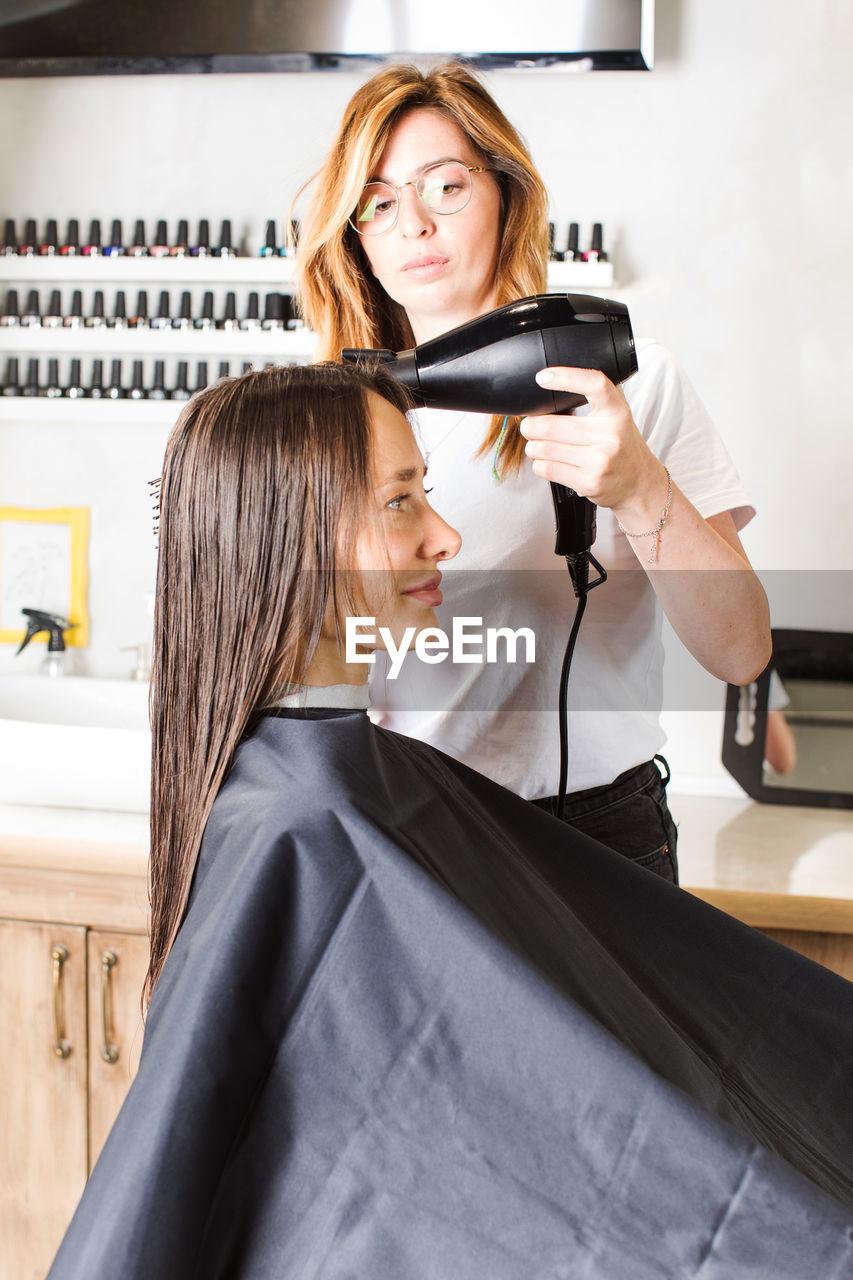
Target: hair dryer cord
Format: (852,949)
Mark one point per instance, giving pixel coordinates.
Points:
(579,570)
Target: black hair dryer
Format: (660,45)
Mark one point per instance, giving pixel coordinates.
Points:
(489,366)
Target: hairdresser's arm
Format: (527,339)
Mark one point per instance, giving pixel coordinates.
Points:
(700,571)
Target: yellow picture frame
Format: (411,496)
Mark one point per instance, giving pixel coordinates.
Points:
(44,551)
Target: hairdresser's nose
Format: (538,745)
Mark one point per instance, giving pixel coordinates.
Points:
(413,217)
(441,541)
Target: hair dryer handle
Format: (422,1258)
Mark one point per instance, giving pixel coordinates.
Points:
(575,521)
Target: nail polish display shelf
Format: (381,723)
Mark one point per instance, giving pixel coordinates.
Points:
(279,345)
(20,410)
(271,273)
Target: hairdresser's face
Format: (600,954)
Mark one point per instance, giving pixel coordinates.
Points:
(439,268)
(400,551)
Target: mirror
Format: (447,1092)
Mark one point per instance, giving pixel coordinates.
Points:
(788,736)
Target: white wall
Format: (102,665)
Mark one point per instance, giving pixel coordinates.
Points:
(723,179)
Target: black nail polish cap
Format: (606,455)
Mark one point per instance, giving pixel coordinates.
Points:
(225,237)
(10,239)
(119,311)
(140,316)
(574,234)
(186,310)
(269,241)
(163,318)
(224,369)
(32,310)
(201,378)
(116,244)
(54,308)
(96,385)
(10,311)
(76,304)
(162,236)
(230,316)
(72,238)
(181,390)
(28,243)
(11,386)
(137,388)
(74,386)
(183,237)
(115,390)
(93,244)
(158,387)
(31,386)
(207,305)
(52,387)
(48,245)
(253,306)
(202,244)
(97,309)
(273,311)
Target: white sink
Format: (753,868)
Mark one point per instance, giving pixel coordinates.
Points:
(75,742)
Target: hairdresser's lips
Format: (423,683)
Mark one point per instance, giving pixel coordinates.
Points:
(425,266)
(427,592)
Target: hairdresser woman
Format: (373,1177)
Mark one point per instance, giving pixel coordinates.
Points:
(427,213)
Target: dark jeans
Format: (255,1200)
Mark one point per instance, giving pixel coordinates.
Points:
(629,815)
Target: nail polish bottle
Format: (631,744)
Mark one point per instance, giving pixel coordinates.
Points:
(92,249)
(31,386)
(202,246)
(158,387)
(11,386)
(273,312)
(163,319)
(201,378)
(181,390)
(288,317)
(27,247)
(229,319)
(96,320)
(184,318)
(71,245)
(118,319)
(247,366)
(289,250)
(573,248)
(9,246)
(74,319)
(224,369)
(205,320)
(114,390)
(74,387)
(252,318)
(139,320)
(595,253)
(160,247)
(181,245)
(269,249)
(225,249)
(137,389)
(52,318)
(10,317)
(52,389)
(32,311)
(139,249)
(115,248)
(95,389)
(47,248)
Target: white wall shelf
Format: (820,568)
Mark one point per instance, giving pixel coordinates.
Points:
(25,409)
(281,345)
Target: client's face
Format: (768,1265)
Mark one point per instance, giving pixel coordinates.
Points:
(399,555)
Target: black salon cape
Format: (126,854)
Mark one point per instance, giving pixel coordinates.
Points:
(413,1028)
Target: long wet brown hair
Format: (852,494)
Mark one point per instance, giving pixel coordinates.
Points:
(340,297)
(265,484)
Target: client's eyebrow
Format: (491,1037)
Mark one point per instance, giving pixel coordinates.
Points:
(430,164)
(405,476)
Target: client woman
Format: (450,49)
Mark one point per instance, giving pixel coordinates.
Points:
(402,1023)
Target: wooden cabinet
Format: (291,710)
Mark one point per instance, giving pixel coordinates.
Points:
(71,1034)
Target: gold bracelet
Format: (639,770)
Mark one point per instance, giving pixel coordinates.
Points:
(656,532)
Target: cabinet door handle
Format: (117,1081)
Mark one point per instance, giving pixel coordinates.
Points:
(109,1051)
(61,1047)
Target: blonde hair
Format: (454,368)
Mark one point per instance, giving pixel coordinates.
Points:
(340,297)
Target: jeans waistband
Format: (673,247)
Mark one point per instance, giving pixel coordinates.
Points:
(624,785)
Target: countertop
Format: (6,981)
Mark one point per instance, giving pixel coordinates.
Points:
(775,866)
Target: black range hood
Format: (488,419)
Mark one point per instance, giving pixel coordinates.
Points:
(114,37)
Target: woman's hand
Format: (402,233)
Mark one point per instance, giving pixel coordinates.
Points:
(718,607)
(602,454)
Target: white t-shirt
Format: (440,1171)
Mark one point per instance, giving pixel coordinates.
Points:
(501,717)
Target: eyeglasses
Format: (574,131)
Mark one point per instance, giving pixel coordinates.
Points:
(442,188)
